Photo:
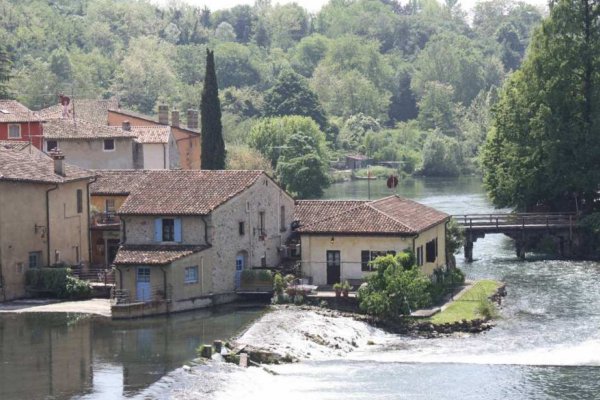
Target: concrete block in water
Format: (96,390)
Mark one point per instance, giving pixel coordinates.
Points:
(244,360)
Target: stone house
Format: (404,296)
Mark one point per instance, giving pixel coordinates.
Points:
(154,147)
(339,238)
(89,145)
(18,123)
(187,236)
(43,217)
(187,138)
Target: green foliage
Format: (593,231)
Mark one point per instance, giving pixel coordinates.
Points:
(278,284)
(213,146)
(394,289)
(455,237)
(244,157)
(541,150)
(5,71)
(441,156)
(58,282)
(445,281)
(487,309)
(290,95)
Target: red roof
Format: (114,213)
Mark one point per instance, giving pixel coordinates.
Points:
(392,215)
(154,254)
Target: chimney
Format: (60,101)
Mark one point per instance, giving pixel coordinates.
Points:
(163,114)
(175,118)
(192,119)
(126,126)
(58,158)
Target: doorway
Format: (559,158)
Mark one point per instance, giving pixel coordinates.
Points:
(333,267)
(239,267)
(143,290)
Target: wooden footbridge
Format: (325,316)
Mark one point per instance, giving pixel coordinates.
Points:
(525,228)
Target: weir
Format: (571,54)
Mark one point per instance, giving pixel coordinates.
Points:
(526,229)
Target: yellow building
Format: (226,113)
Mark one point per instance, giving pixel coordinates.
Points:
(43,217)
(339,238)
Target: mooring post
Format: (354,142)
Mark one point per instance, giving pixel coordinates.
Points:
(469,248)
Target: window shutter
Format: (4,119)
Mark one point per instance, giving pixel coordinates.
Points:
(178,230)
(158,230)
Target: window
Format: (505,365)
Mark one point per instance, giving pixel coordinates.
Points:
(168,230)
(366,256)
(110,206)
(261,223)
(282,219)
(109,144)
(35,259)
(431,250)
(420,256)
(14,131)
(191,274)
(79,201)
(241,228)
(51,145)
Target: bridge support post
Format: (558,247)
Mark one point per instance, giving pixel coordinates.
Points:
(520,249)
(468,249)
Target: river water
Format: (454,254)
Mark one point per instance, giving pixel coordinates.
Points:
(546,346)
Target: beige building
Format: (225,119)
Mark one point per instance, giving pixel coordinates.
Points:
(89,145)
(188,236)
(154,146)
(43,217)
(339,238)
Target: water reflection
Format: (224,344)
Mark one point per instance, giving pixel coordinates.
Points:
(60,356)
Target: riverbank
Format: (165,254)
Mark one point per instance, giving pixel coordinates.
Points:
(99,307)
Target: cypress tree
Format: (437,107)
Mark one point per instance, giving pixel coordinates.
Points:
(5,65)
(213,146)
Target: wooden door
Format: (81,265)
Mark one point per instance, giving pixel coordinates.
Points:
(333,266)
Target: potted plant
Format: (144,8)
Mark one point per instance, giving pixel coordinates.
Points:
(338,289)
(346,288)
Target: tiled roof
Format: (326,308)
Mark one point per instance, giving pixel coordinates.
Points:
(68,129)
(117,182)
(154,254)
(95,111)
(186,192)
(148,118)
(309,211)
(17,166)
(13,111)
(390,215)
(151,134)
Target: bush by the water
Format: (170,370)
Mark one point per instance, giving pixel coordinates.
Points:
(58,282)
(445,282)
(395,288)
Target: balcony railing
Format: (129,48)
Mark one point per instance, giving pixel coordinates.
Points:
(101,219)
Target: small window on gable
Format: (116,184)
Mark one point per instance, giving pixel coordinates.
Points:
(79,201)
(191,274)
(109,144)
(51,145)
(241,228)
(282,226)
(14,131)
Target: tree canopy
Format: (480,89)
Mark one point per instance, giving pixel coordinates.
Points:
(543,148)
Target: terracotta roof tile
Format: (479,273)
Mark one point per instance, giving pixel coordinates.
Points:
(151,134)
(186,192)
(117,182)
(310,211)
(154,254)
(390,215)
(17,166)
(68,129)
(91,110)
(13,111)
(148,118)
(17,145)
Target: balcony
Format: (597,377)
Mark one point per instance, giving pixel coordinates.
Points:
(105,220)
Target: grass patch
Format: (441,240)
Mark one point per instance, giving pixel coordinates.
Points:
(468,305)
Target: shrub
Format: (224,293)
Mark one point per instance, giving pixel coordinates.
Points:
(59,282)
(248,276)
(394,289)
(278,284)
(487,309)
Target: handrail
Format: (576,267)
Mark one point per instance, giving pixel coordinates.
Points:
(497,220)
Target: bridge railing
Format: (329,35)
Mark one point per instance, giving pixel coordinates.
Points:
(499,220)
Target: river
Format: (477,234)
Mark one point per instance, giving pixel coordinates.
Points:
(546,346)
